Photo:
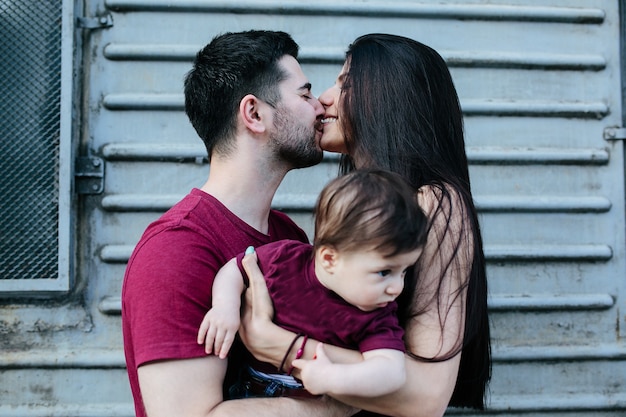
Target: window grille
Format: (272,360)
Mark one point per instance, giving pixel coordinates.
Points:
(34,123)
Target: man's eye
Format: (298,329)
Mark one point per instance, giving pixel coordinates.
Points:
(384,273)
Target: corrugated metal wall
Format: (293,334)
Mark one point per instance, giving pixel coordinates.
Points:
(539,83)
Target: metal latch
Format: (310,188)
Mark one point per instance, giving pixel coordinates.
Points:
(97,22)
(89,175)
(615,133)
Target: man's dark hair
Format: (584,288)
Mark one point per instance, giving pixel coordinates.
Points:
(229,67)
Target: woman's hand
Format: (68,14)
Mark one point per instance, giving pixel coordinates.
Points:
(258,302)
(257,331)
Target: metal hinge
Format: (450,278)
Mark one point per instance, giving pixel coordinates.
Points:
(89,175)
(97,22)
(614,133)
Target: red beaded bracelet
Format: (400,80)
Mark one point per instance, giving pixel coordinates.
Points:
(300,352)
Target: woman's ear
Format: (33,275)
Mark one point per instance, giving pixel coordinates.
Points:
(328,257)
(253,113)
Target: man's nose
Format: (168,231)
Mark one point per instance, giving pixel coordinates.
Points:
(319,109)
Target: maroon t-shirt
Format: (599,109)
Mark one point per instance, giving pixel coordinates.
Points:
(303,304)
(168,280)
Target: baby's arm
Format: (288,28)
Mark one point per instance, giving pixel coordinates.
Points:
(381,372)
(220,324)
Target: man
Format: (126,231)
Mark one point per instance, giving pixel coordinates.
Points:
(251,104)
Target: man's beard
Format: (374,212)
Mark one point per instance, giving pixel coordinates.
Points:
(294,142)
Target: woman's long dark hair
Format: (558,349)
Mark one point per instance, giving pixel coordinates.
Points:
(400,112)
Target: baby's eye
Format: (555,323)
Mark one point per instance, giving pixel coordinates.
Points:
(384,273)
(307,97)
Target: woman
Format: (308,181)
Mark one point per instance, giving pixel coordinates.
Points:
(394,106)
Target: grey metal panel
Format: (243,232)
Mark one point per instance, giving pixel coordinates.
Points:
(539,81)
(537,86)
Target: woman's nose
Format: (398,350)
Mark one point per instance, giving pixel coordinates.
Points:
(326,98)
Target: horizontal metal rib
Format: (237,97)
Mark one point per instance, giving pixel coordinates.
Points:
(493,253)
(378,9)
(500,303)
(145,52)
(526,60)
(556,302)
(154,152)
(476,155)
(518,405)
(139,202)
(546,253)
(69,410)
(144,101)
(167,152)
(116,253)
(114,358)
(537,156)
(565,403)
(583,110)
(543,204)
(472,107)
(470,59)
(306,202)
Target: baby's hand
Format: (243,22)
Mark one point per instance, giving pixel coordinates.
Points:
(315,373)
(218,330)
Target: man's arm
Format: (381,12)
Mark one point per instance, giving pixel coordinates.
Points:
(284,407)
(182,387)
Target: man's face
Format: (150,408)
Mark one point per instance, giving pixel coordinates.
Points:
(297,126)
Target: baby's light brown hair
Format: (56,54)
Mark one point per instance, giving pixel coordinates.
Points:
(369,209)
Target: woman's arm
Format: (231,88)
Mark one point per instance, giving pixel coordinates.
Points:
(426,393)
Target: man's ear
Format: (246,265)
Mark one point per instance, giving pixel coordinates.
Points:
(254,113)
(328,257)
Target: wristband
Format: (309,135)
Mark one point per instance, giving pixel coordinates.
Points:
(293,342)
(300,352)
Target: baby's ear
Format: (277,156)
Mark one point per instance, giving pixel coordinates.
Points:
(327,256)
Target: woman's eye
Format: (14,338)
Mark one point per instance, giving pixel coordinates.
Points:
(384,273)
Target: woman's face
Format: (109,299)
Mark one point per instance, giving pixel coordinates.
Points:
(333,139)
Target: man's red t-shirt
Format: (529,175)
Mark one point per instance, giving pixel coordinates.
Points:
(168,280)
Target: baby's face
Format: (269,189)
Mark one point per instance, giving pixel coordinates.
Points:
(369,280)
